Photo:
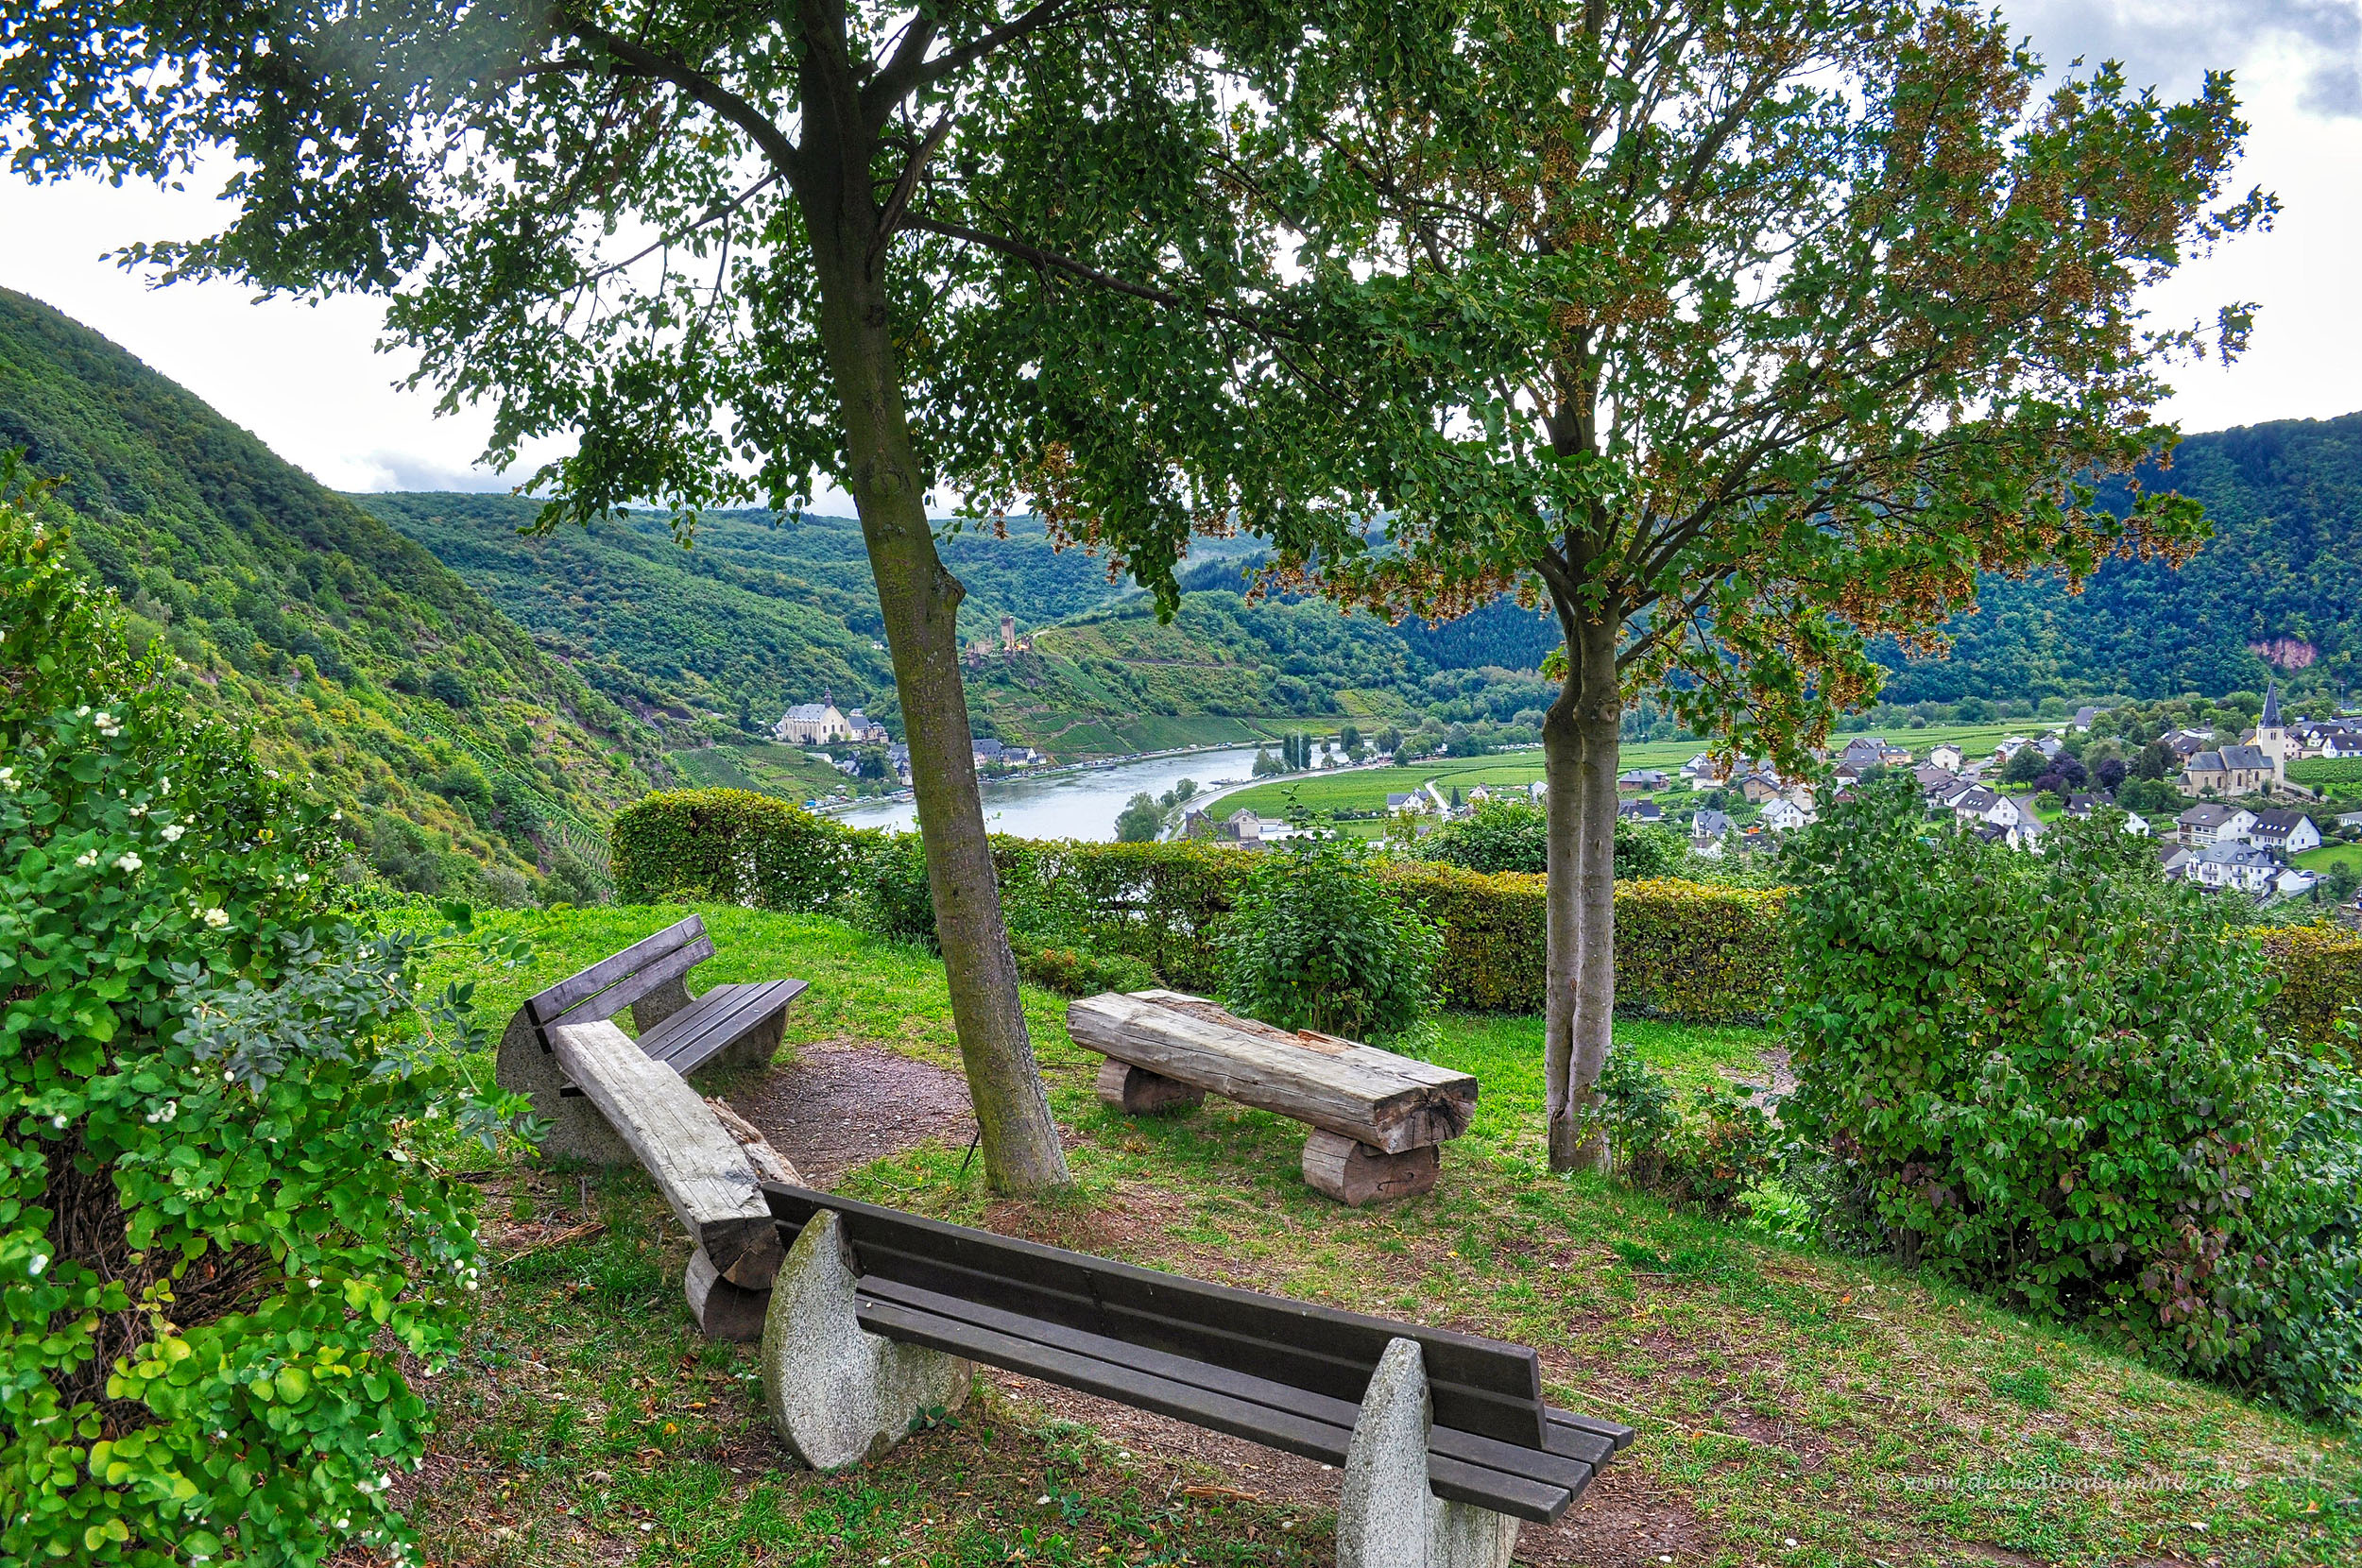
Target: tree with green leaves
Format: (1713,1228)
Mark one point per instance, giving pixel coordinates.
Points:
(725,251)
(1141,820)
(1739,332)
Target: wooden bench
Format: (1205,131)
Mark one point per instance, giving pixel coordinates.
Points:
(735,1024)
(1378,1118)
(615,1100)
(876,1313)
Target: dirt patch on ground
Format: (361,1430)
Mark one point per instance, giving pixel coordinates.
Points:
(839,1105)
(1624,1521)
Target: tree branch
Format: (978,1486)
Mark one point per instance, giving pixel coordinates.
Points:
(891,217)
(907,72)
(1054,262)
(753,120)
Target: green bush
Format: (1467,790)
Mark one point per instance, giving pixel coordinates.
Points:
(217,1243)
(1513,835)
(1683,950)
(1318,942)
(2053,1073)
(738,847)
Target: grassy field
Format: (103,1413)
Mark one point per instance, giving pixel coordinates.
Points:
(2332,853)
(1365,789)
(1795,1408)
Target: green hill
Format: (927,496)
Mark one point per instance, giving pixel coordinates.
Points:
(2283,572)
(451,743)
(712,642)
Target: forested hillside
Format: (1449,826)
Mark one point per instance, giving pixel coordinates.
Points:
(713,641)
(352,652)
(759,612)
(2283,572)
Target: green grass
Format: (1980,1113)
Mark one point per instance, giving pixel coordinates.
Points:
(1365,789)
(2331,855)
(1865,1413)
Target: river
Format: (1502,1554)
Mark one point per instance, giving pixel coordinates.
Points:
(1073,803)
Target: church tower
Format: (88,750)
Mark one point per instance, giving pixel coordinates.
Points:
(2272,737)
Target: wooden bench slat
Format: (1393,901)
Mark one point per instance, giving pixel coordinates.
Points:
(546,1008)
(1453,1479)
(1614,1432)
(1478,1384)
(700,1170)
(688,1038)
(1550,1467)
(604,1005)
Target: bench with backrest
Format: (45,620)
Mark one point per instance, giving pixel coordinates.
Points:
(875,1314)
(733,1023)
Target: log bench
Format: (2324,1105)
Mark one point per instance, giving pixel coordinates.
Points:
(613,1100)
(1378,1118)
(1445,1439)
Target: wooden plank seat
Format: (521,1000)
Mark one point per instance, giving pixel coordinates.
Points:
(735,1023)
(1289,1375)
(1378,1118)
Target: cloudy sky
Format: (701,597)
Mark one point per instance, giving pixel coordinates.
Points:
(308,381)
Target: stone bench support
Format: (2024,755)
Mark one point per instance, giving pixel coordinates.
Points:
(839,1395)
(1386,1515)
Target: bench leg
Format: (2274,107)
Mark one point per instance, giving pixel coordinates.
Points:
(1138,1092)
(759,1044)
(1386,1516)
(723,1310)
(1354,1174)
(577,1131)
(659,1004)
(839,1395)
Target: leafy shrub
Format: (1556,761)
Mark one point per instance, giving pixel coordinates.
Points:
(1317,942)
(1709,953)
(738,847)
(1725,1146)
(1632,1105)
(215,1238)
(1514,835)
(2053,1074)
(1072,972)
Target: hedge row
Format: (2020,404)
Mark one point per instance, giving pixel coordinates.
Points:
(1683,950)
(2320,976)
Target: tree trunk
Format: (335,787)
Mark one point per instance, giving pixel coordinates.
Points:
(920,600)
(1601,716)
(1561,771)
(1581,739)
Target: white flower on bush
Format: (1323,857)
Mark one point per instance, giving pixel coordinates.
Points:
(129,861)
(8,779)
(172,833)
(216,918)
(108,725)
(166,1112)
(87,857)
(39,1262)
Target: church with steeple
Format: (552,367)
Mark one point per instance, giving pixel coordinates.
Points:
(2271,735)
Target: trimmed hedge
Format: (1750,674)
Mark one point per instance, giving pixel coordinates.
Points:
(2321,974)
(1683,948)
(734,847)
